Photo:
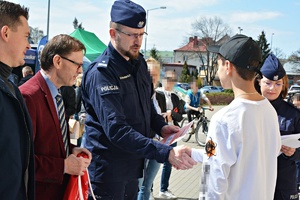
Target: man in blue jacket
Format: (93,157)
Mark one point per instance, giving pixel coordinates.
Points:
(16,148)
(117,93)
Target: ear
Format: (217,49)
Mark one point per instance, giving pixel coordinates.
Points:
(228,67)
(57,61)
(112,33)
(4,33)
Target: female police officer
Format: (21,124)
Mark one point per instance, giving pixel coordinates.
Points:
(274,85)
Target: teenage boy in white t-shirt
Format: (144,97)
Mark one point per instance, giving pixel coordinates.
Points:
(240,157)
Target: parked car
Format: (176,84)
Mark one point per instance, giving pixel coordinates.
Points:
(294,88)
(185,86)
(209,89)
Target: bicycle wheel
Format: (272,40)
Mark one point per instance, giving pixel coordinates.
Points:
(187,137)
(201,132)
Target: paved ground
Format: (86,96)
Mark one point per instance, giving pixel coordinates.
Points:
(184,184)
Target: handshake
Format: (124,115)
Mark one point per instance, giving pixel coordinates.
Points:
(180,158)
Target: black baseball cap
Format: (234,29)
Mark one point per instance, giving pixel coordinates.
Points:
(239,50)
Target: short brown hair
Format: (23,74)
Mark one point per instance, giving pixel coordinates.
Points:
(115,25)
(59,45)
(244,73)
(10,14)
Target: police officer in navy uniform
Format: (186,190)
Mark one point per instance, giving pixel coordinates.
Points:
(116,90)
(274,86)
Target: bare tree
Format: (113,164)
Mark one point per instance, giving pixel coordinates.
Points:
(278,53)
(212,31)
(295,57)
(35,35)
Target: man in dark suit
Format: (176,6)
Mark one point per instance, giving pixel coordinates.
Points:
(55,157)
(16,147)
(27,74)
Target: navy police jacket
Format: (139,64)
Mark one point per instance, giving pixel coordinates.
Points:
(289,123)
(120,115)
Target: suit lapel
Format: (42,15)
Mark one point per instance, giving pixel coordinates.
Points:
(51,105)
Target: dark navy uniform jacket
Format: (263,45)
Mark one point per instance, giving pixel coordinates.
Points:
(289,123)
(120,113)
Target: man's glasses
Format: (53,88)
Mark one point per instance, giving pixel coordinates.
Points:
(133,35)
(72,61)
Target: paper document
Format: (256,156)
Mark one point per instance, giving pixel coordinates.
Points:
(292,140)
(177,136)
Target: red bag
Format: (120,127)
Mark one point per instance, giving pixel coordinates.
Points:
(78,186)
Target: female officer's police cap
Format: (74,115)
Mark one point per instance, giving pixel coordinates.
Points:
(128,13)
(272,69)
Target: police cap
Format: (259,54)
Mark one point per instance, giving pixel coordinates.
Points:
(272,69)
(128,13)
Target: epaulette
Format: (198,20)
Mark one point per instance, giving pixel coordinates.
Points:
(103,62)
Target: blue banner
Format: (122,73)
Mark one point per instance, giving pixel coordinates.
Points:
(30,56)
(40,48)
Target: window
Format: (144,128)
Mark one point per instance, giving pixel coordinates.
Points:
(185,58)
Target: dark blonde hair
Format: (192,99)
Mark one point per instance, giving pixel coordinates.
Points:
(244,73)
(154,63)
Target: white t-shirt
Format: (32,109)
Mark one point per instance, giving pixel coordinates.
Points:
(244,163)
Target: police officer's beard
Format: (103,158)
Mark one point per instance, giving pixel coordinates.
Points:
(132,56)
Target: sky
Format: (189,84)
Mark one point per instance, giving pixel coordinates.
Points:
(168,29)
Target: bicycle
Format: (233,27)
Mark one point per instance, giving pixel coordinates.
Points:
(201,129)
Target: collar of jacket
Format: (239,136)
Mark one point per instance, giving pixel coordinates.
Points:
(5,70)
(276,103)
(132,65)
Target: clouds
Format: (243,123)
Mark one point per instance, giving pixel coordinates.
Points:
(191,5)
(251,17)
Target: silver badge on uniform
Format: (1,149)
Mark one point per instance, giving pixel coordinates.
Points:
(275,78)
(140,24)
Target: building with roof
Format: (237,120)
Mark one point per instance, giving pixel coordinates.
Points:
(177,68)
(293,71)
(165,56)
(195,53)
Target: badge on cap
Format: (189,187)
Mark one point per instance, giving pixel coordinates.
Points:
(140,24)
(275,78)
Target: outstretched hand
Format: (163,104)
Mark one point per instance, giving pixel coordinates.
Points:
(180,158)
(168,130)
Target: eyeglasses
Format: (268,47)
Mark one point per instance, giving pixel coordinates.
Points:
(270,84)
(133,35)
(72,61)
